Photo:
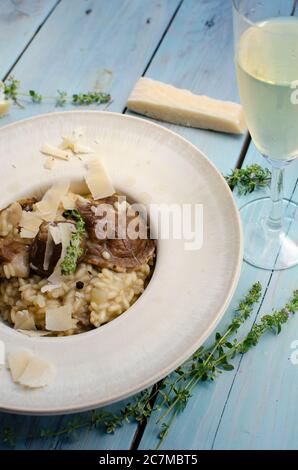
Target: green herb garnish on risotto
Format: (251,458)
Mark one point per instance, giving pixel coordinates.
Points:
(74,250)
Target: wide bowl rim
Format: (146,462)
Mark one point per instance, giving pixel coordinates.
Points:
(217,316)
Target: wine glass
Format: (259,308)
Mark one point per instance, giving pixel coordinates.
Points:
(266,56)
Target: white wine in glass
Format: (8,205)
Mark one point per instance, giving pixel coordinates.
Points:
(266,56)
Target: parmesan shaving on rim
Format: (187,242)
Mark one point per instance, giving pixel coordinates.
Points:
(54,152)
(30,223)
(59,318)
(17,362)
(49,163)
(98,181)
(73,143)
(2,353)
(38,373)
(80,148)
(24,320)
(66,231)
(48,206)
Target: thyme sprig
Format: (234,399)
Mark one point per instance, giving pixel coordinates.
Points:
(172,395)
(249,179)
(74,251)
(11,90)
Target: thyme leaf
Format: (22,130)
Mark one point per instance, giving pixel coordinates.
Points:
(74,250)
(11,91)
(249,179)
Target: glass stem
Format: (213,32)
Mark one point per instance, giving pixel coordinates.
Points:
(276,211)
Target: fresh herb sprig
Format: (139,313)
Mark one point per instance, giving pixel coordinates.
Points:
(12,91)
(172,396)
(249,179)
(74,250)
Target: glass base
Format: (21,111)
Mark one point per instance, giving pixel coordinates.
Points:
(265,247)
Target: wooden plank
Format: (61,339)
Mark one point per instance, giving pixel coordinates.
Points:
(261,412)
(197,426)
(107,48)
(197,54)
(120,36)
(19,21)
(262,409)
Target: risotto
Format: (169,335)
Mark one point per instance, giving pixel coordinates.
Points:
(63,269)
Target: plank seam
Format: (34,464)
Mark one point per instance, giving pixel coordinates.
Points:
(31,39)
(159,44)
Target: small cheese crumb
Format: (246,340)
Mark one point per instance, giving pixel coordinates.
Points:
(50,287)
(30,223)
(80,148)
(49,163)
(54,152)
(59,319)
(106,255)
(98,181)
(24,320)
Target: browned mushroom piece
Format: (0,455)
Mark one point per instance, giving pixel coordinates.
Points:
(117,252)
(27,203)
(38,263)
(14,259)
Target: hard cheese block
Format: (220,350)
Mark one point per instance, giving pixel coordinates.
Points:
(167,103)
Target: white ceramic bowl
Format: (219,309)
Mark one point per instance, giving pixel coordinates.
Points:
(189,290)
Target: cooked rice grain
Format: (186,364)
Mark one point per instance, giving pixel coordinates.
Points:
(104,296)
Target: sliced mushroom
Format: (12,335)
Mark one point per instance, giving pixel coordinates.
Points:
(44,253)
(117,252)
(27,203)
(14,259)
(42,245)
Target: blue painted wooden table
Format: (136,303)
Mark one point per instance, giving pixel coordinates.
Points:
(81,44)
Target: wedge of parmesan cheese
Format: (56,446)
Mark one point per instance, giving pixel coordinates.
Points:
(30,223)
(4,106)
(48,206)
(17,362)
(54,152)
(98,181)
(167,103)
(24,320)
(59,318)
(2,353)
